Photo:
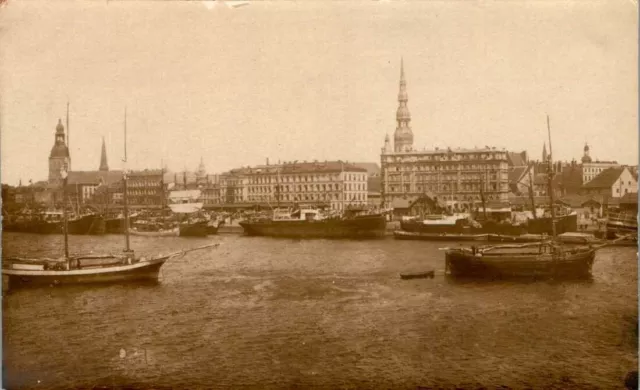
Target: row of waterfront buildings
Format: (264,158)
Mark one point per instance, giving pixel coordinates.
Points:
(457,178)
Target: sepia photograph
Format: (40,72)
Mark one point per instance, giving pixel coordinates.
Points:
(342,194)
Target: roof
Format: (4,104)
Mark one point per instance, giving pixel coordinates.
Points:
(372,168)
(541,179)
(605,179)
(300,167)
(146,172)
(178,177)
(575,200)
(517,159)
(94,177)
(402,203)
(515,173)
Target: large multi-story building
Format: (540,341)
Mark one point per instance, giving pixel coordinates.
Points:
(334,184)
(455,177)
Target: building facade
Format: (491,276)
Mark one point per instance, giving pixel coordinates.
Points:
(612,183)
(458,178)
(334,184)
(591,169)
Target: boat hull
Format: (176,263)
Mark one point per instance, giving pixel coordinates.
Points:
(459,228)
(572,265)
(165,233)
(564,224)
(87,224)
(147,270)
(198,229)
(114,225)
(402,235)
(360,227)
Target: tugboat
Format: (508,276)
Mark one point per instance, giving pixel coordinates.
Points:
(312,223)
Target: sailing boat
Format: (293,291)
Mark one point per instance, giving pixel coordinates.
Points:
(84,269)
(548,258)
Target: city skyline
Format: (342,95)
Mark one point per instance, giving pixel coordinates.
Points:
(321,83)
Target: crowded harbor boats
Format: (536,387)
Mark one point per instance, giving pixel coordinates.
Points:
(307,222)
(90,268)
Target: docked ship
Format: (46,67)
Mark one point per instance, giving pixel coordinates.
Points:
(312,223)
(188,204)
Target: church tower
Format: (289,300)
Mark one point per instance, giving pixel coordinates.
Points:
(59,156)
(104,166)
(403,137)
(201,174)
(586,158)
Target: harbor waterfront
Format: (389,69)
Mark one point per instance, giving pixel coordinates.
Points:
(283,313)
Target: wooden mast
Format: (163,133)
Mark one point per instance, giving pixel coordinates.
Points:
(65,223)
(124,188)
(550,168)
(533,203)
(484,205)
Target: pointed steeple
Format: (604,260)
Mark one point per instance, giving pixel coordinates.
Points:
(104,166)
(403,136)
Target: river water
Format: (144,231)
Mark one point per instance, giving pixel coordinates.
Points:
(274,313)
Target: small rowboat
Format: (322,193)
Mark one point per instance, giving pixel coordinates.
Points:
(420,275)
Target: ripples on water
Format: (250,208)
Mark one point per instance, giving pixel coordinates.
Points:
(269,313)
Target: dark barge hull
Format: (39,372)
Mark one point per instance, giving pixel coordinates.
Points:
(198,229)
(114,225)
(88,224)
(564,224)
(359,227)
(575,265)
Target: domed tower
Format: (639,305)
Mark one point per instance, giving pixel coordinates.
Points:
(403,137)
(586,158)
(59,156)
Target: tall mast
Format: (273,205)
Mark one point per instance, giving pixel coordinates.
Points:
(162,191)
(550,168)
(533,203)
(124,187)
(68,136)
(482,184)
(65,224)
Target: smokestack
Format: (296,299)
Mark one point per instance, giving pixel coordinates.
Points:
(267,160)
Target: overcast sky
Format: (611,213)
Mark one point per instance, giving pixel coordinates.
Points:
(312,80)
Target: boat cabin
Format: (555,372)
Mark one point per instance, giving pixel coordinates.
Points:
(298,215)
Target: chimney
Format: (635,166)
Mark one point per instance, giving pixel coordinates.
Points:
(267,160)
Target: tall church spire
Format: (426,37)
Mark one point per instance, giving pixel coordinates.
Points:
(104,166)
(403,136)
